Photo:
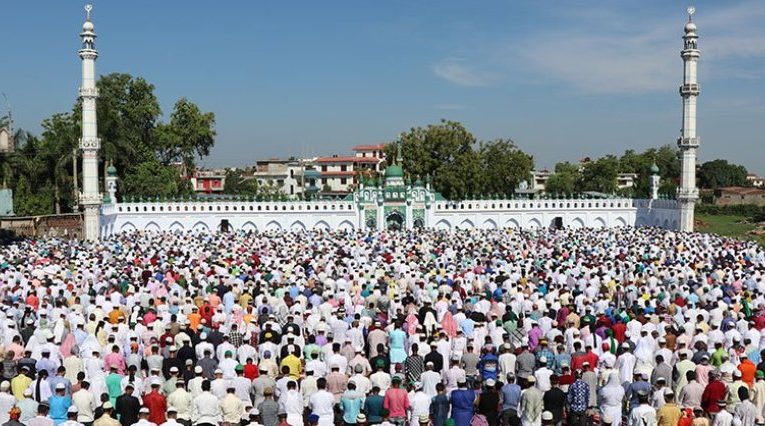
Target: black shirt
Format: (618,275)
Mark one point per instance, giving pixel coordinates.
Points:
(554,401)
(127,407)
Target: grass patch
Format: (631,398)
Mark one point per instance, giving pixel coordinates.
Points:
(728,225)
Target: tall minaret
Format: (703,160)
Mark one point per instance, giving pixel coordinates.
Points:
(688,142)
(90,197)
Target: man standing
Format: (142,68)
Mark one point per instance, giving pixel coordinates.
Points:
(204,408)
(85,402)
(156,403)
(127,407)
(322,404)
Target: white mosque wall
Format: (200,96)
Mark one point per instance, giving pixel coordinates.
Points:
(307,215)
(245,215)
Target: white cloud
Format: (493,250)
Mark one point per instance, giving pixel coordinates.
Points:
(462,74)
(628,54)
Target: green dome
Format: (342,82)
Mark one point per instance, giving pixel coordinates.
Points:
(111,171)
(654,169)
(394,171)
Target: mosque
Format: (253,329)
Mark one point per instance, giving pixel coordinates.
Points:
(394,203)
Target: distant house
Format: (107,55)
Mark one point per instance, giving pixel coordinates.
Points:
(209,181)
(735,195)
(6,141)
(755,180)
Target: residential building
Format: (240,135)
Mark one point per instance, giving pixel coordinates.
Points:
(287,175)
(756,180)
(209,181)
(735,195)
(626,180)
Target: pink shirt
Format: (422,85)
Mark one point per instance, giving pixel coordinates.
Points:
(114,359)
(396,402)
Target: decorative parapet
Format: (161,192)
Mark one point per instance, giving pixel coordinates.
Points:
(194,206)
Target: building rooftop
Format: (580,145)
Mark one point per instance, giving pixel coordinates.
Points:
(348,159)
(376,147)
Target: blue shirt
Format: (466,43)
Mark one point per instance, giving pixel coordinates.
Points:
(579,396)
(511,396)
(351,404)
(58,408)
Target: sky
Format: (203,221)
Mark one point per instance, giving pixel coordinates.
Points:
(563,79)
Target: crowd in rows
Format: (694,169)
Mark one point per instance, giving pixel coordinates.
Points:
(624,326)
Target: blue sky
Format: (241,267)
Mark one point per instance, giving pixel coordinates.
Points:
(564,79)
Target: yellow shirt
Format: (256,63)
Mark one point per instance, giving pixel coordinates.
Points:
(668,415)
(294,364)
(19,384)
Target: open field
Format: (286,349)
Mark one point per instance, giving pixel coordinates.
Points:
(729,225)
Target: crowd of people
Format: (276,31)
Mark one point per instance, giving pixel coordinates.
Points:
(624,326)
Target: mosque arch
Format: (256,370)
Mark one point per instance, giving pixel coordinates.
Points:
(200,227)
(621,222)
(535,223)
(577,223)
(640,221)
(512,223)
(674,224)
(176,226)
(274,226)
(665,225)
(489,224)
(151,227)
(599,222)
(346,226)
(249,226)
(466,224)
(443,224)
(297,226)
(321,225)
(127,227)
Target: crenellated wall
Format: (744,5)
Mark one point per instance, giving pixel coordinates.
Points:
(305,215)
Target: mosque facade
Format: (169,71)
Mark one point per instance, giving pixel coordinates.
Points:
(393,203)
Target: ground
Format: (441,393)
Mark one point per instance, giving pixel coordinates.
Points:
(729,225)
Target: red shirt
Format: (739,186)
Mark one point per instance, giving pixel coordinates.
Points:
(715,391)
(157,405)
(251,371)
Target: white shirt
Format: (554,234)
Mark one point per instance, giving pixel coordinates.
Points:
(86,405)
(322,403)
(204,409)
(292,404)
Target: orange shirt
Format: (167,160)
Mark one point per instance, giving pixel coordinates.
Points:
(748,371)
(194,320)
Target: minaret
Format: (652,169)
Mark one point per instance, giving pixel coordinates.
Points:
(688,143)
(655,180)
(90,197)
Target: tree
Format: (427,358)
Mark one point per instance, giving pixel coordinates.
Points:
(60,144)
(503,167)
(447,153)
(153,179)
(719,173)
(600,175)
(189,134)
(237,184)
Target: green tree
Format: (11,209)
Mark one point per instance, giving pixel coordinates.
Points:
(237,184)
(189,134)
(720,173)
(60,144)
(600,175)
(153,179)
(503,167)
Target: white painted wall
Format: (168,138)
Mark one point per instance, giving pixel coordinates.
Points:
(266,216)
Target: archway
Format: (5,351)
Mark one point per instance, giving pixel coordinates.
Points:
(395,221)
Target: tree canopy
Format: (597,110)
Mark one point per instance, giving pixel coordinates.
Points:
(42,174)
(458,165)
